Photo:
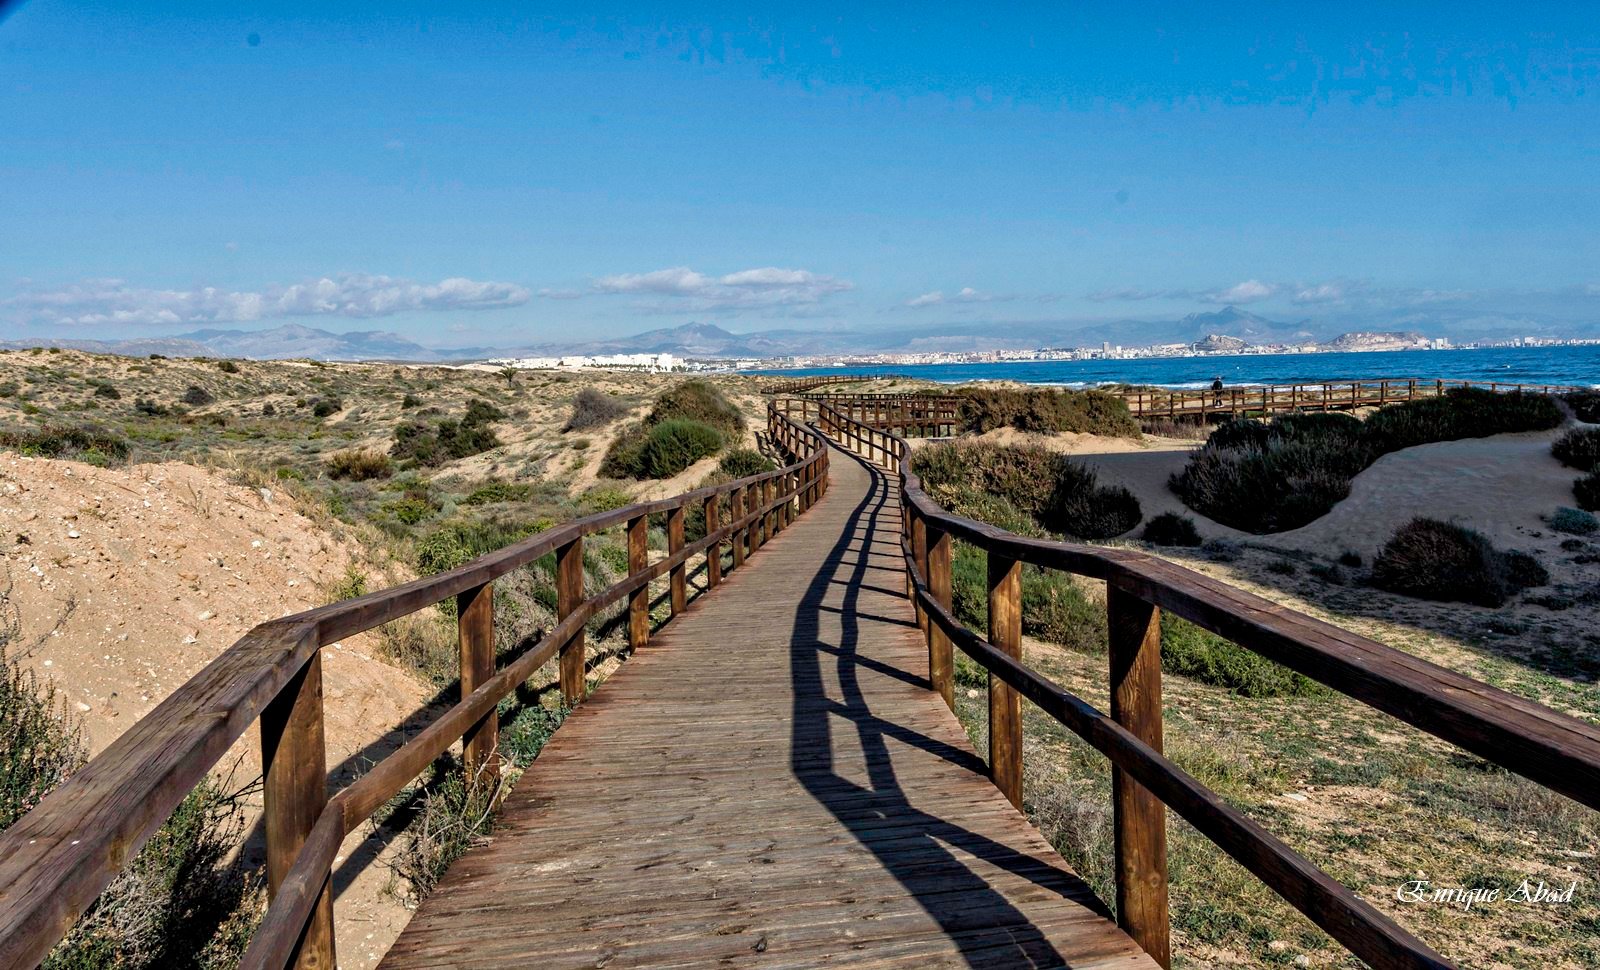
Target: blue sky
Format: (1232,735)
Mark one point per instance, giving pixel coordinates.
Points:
(494,176)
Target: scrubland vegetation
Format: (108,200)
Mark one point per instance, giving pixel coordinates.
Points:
(1266,477)
(426,469)
(1015,484)
(1046,411)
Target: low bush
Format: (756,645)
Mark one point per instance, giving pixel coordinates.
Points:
(1579,448)
(1587,492)
(359,464)
(95,446)
(1271,476)
(1059,494)
(660,450)
(1573,522)
(183,901)
(1198,653)
(410,401)
(1460,413)
(453,814)
(1171,529)
(697,401)
(1585,405)
(418,444)
(744,462)
(1436,560)
(492,492)
(196,396)
(40,744)
(593,408)
(674,445)
(1046,411)
(107,391)
(227,367)
(322,407)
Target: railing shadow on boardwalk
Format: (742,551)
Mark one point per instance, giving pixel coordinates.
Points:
(955,896)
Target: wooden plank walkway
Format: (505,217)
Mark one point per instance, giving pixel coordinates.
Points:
(770,784)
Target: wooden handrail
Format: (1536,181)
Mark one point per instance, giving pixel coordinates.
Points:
(801,384)
(57,858)
(928,413)
(1550,748)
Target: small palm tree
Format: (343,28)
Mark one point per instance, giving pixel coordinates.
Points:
(510,374)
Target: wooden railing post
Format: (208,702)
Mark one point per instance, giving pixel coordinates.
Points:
(941,658)
(735,513)
(295,790)
(475,633)
(713,516)
(678,576)
(569,596)
(1005,705)
(769,495)
(1139,818)
(919,550)
(639,599)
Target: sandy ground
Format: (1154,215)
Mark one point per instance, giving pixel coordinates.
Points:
(125,582)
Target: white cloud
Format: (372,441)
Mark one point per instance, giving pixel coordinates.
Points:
(351,295)
(965,295)
(1321,293)
(1247,292)
(766,286)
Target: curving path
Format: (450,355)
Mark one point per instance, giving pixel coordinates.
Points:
(770,784)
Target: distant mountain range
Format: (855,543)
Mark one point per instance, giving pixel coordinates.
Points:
(1219,328)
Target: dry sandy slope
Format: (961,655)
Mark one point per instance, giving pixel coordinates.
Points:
(127,581)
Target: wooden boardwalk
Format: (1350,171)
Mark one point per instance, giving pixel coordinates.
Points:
(770,783)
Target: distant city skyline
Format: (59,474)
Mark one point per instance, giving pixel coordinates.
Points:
(499,179)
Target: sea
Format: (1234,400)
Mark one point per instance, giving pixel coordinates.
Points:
(1579,365)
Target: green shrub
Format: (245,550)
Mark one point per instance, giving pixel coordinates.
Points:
(524,735)
(1058,493)
(453,814)
(493,492)
(1171,529)
(107,391)
(183,901)
(1268,477)
(410,401)
(93,445)
(1046,410)
(1055,609)
(1198,653)
(417,443)
(593,408)
(660,450)
(1586,405)
(359,465)
(1461,413)
(227,367)
(197,396)
(322,407)
(604,498)
(1435,560)
(744,462)
(40,744)
(1587,491)
(1573,522)
(674,445)
(1579,448)
(697,401)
